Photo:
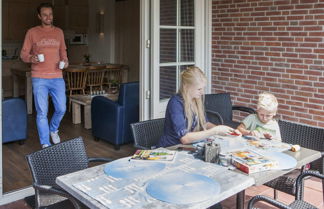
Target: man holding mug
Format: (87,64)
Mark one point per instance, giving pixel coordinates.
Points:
(45,48)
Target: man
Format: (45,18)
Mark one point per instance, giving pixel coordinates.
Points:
(44,47)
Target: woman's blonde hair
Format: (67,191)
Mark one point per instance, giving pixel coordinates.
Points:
(267,102)
(193,76)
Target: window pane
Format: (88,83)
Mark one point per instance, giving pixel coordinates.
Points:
(187,46)
(187,13)
(168,45)
(168,12)
(168,81)
(183,67)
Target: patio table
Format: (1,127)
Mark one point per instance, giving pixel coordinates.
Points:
(230,183)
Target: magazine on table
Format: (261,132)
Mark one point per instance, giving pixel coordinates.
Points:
(250,161)
(155,155)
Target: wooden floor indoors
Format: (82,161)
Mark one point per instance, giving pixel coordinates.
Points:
(16,174)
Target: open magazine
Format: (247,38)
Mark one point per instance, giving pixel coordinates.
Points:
(154,155)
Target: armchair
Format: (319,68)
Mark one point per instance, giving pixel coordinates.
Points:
(220,105)
(14,120)
(47,164)
(111,120)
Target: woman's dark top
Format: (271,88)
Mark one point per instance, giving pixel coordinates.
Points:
(175,126)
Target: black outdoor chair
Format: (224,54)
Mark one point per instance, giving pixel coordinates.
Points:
(147,133)
(47,164)
(221,105)
(299,203)
(305,136)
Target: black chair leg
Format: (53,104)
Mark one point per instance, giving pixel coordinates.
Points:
(96,138)
(240,198)
(21,142)
(275,194)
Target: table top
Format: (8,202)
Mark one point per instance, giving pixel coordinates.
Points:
(103,197)
(302,157)
(98,66)
(86,99)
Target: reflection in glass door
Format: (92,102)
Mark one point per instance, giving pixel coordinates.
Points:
(175,46)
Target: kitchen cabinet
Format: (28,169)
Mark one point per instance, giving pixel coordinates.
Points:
(20,15)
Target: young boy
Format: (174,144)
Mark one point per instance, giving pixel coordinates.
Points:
(262,124)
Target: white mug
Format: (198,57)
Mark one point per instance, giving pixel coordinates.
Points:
(61,65)
(41,57)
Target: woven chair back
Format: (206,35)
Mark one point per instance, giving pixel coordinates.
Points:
(147,133)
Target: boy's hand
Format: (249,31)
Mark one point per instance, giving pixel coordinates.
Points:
(267,135)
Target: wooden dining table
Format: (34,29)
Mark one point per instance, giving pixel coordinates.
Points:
(26,73)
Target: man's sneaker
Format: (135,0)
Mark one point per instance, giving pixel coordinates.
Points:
(55,137)
(44,146)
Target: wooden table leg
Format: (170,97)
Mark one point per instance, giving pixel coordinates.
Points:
(15,87)
(29,93)
(240,200)
(87,117)
(76,113)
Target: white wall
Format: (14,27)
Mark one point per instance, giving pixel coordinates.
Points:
(127,36)
(101,48)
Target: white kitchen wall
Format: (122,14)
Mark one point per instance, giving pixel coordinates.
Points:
(101,47)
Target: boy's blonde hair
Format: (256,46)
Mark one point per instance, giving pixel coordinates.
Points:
(267,102)
(193,76)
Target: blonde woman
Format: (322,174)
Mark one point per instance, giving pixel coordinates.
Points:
(262,124)
(185,120)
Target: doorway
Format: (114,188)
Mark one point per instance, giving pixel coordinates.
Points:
(173,36)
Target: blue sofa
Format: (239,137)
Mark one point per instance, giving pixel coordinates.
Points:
(14,120)
(111,120)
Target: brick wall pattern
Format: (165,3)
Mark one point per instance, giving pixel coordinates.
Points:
(275,46)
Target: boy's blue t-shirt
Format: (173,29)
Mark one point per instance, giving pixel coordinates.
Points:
(175,126)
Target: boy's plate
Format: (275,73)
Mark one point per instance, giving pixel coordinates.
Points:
(284,160)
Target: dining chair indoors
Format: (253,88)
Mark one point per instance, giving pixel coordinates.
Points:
(147,133)
(221,103)
(298,203)
(95,79)
(113,76)
(75,79)
(47,164)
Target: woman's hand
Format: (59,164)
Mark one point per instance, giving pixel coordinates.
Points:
(222,130)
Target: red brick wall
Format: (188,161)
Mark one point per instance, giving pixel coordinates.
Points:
(275,46)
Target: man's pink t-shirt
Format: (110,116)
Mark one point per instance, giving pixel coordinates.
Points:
(47,41)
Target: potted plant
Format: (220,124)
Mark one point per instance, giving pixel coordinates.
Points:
(86,58)
(114,84)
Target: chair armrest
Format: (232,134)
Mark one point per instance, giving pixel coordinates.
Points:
(299,182)
(47,188)
(244,109)
(99,159)
(258,198)
(212,114)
